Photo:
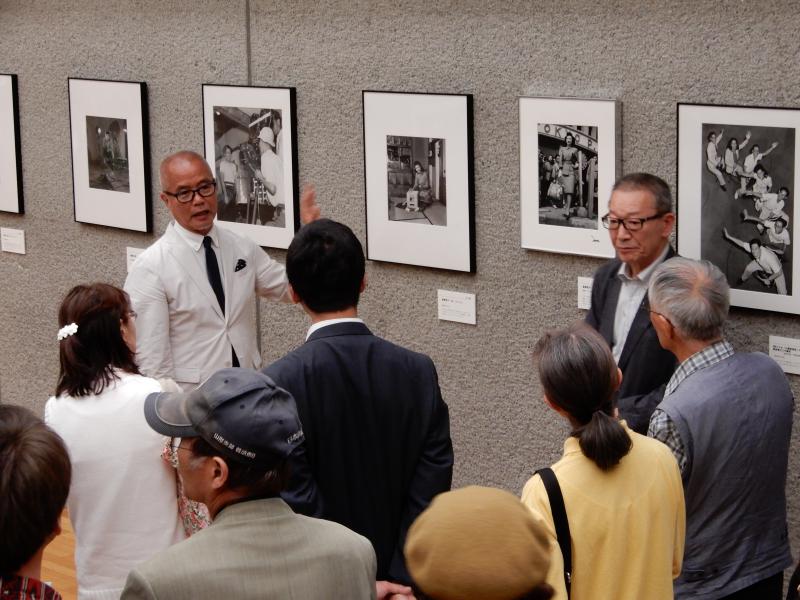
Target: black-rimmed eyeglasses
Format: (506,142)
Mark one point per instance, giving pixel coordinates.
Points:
(632,224)
(184,196)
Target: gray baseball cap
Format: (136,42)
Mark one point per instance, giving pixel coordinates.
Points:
(240,412)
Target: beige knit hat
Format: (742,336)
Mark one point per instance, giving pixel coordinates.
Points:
(477,543)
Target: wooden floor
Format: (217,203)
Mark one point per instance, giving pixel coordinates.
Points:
(58,564)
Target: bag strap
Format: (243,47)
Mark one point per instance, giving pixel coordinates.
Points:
(559,520)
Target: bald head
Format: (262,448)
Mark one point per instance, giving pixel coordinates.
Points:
(693,295)
(178,161)
(188,171)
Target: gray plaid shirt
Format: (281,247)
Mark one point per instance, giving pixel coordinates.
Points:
(661,426)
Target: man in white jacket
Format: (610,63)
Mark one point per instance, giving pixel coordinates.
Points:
(194,289)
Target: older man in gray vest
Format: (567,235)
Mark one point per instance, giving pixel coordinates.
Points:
(727,417)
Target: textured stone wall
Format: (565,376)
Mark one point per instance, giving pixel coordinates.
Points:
(647,54)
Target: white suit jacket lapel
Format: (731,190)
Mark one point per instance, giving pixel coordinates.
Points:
(187,261)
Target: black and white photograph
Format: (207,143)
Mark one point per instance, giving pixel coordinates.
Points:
(107,154)
(569,154)
(10,158)
(568,175)
(418,164)
(742,198)
(249,146)
(417,180)
(110,153)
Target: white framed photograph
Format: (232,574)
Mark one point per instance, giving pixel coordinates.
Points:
(737,178)
(11,199)
(569,158)
(110,153)
(419,181)
(250,144)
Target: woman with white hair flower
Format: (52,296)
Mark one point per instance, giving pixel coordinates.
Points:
(122,501)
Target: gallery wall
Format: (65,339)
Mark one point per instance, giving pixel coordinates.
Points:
(647,54)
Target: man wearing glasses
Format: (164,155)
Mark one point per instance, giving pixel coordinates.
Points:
(639,221)
(194,289)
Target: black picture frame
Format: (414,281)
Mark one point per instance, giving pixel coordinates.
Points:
(11,188)
(235,115)
(732,194)
(426,216)
(110,143)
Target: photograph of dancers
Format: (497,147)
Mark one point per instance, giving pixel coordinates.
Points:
(746,203)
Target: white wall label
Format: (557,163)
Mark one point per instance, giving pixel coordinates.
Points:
(585,292)
(131,255)
(456,306)
(12,240)
(785,352)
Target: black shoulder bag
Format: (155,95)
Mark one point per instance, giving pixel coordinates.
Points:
(559,520)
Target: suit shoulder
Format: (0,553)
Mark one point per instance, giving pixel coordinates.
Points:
(401,351)
(608,269)
(336,535)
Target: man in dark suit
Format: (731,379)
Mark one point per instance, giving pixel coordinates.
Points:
(378,445)
(639,221)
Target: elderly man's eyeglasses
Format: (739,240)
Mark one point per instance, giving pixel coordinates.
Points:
(184,196)
(632,224)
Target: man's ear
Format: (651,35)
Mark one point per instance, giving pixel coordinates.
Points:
(219,472)
(293,295)
(619,379)
(164,199)
(363,284)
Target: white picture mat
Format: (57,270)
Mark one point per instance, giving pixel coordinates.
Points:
(425,116)
(255,97)
(9,190)
(113,100)
(566,111)
(690,169)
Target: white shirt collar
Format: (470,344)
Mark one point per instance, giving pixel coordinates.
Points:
(195,240)
(644,274)
(321,324)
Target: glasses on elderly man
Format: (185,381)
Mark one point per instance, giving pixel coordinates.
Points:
(631,224)
(184,196)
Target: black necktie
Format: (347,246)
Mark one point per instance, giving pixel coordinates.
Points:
(212,269)
(215,279)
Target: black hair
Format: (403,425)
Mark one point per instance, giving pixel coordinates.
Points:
(89,356)
(579,374)
(35,474)
(253,480)
(755,241)
(325,266)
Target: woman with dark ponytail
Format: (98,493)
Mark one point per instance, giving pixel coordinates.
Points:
(622,491)
(122,500)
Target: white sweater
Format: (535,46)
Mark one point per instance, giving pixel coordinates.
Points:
(122,502)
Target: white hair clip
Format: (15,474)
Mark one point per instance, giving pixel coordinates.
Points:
(66,331)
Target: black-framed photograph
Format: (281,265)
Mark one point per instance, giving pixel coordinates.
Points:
(737,178)
(250,138)
(419,180)
(569,158)
(110,153)
(11,199)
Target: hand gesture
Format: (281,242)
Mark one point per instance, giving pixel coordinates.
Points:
(386,590)
(309,209)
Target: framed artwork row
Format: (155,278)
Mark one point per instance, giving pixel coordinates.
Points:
(10,156)
(738,174)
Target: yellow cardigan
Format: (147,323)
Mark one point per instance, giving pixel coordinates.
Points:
(627,525)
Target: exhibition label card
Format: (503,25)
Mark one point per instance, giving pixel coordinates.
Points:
(785,352)
(456,306)
(585,292)
(132,254)
(12,240)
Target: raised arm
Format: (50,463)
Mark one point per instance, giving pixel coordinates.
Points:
(770,149)
(735,241)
